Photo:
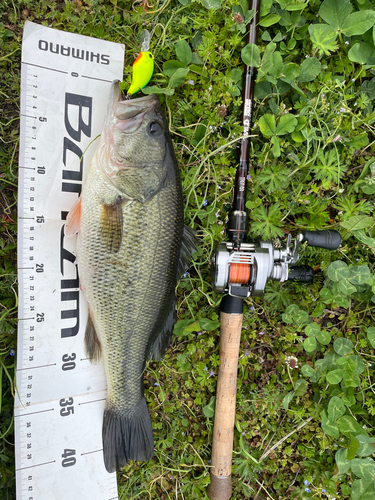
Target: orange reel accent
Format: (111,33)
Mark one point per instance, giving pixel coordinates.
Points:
(239,273)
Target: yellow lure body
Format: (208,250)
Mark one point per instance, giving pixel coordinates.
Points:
(143,68)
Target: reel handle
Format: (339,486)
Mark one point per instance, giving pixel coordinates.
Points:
(304,274)
(328,238)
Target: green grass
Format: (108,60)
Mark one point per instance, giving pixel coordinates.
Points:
(316,172)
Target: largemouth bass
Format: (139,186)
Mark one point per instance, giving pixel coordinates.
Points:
(132,247)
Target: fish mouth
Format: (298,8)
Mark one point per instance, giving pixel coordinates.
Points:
(124,108)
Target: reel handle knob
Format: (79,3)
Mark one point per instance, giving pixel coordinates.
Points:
(329,239)
(304,274)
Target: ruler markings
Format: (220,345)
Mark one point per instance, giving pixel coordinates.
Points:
(38,465)
(45,67)
(93,401)
(32,413)
(34,367)
(99,79)
(89,452)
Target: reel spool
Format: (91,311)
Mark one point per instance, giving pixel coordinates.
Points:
(243,271)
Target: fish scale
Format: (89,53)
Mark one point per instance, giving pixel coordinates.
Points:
(130,237)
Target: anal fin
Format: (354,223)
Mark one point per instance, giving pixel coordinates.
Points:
(93,347)
(188,247)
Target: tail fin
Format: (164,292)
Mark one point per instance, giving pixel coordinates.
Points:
(127,437)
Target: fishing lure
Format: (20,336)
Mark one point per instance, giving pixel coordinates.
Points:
(143,69)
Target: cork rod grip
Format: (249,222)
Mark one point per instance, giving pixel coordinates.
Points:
(225,410)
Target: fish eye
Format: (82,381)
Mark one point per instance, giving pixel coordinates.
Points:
(154,129)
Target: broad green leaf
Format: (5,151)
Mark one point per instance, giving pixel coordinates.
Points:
(342,346)
(360,52)
(179,326)
(335,376)
(310,344)
(193,327)
(236,74)
(342,462)
(348,426)
(250,55)
(286,124)
(212,4)
(324,337)
(366,240)
(276,146)
(310,69)
(348,398)
(287,399)
(267,60)
(326,294)
(336,408)
(335,12)
(208,324)
(183,52)
(351,363)
(358,23)
(185,2)
(196,59)
(359,274)
(359,141)
(178,77)
(301,317)
(354,444)
(323,38)
(363,489)
(357,222)
(363,467)
(308,371)
(346,288)
(265,7)
(269,20)
(342,302)
(329,427)
(209,410)
(170,67)
(338,270)
(267,125)
(300,387)
(371,335)
(290,72)
(296,6)
(312,329)
(347,364)
(277,65)
(351,378)
(367,445)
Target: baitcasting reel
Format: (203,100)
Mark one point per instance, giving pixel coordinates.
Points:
(244,271)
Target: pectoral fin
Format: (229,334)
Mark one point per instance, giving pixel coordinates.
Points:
(111,225)
(93,347)
(73,220)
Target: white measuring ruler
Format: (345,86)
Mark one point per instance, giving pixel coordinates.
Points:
(65,82)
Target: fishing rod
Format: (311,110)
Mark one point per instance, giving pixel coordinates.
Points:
(241,269)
